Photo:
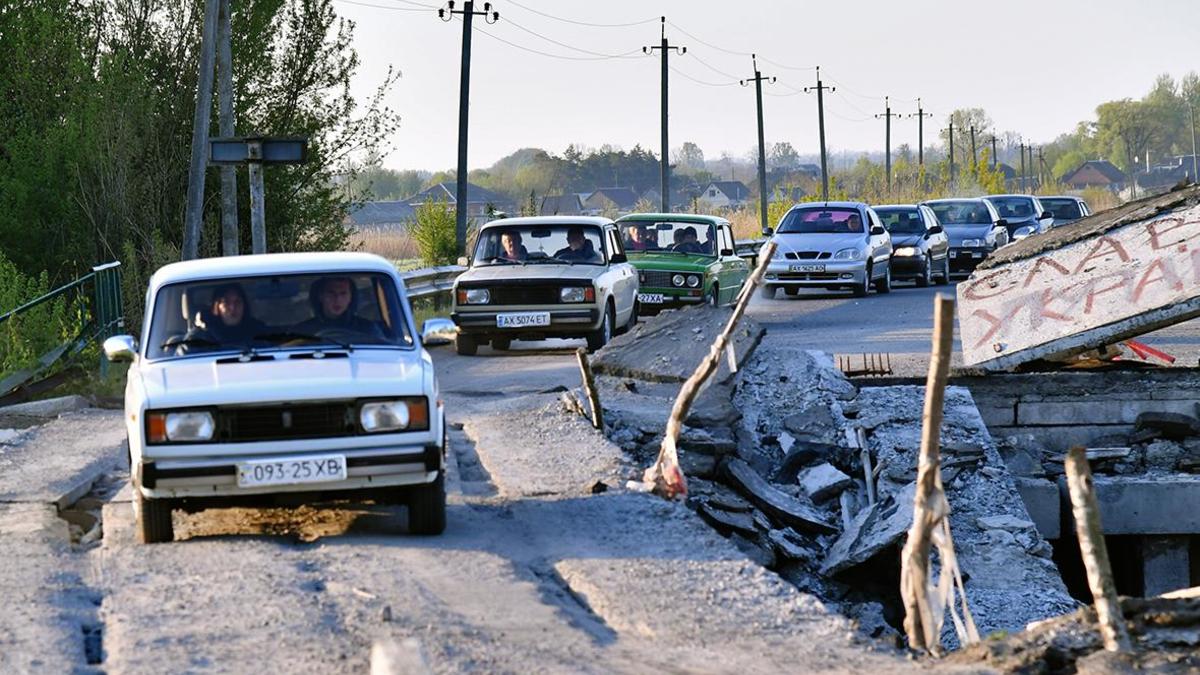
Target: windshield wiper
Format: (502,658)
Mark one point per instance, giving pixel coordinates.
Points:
(509,261)
(191,342)
(287,336)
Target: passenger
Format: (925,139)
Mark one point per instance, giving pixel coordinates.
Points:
(640,239)
(579,248)
(690,242)
(854,223)
(334,302)
(510,241)
(230,320)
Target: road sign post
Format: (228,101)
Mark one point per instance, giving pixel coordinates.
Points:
(254,152)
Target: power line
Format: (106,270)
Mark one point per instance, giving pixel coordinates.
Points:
(389,7)
(572,47)
(855,93)
(552,55)
(710,67)
(582,23)
(697,81)
(785,66)
(732,51)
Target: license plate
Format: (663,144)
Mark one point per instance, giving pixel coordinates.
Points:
(650,298)
(522,319)
(292,470)
(806,268)
(953,254)
(976,255)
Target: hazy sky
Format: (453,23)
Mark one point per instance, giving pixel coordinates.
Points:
(1037,66)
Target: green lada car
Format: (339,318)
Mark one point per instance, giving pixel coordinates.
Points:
(682,259)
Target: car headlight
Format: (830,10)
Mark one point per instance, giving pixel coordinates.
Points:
(693,281)
(407,414)
(180,427)
(906,251)
(576,294)
(972,242)
(677,280)
(474,296)
(848,254)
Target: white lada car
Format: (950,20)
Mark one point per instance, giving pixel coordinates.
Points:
(297,374)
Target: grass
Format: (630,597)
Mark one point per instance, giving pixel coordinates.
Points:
(393,244)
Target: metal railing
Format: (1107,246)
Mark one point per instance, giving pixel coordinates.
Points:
(102,316)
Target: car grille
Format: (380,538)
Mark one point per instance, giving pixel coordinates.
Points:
(289,421)
(808,276)
(655,278)
(807,255)
(524,295)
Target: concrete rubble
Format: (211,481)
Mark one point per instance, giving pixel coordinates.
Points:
(1086,285)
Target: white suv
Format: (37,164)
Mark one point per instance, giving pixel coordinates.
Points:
(296,373)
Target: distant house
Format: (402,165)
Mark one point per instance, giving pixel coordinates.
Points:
(381,215)
(478,199)
(1096,173)
(681,200)
(561,205)
(612,199)
(724,194)
(1166,176)
(788,195)
(810,170)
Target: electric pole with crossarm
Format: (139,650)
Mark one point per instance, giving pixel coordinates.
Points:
(762,146)
(665,159)
(820,89)
(464,94)
(921,115)
(887,115)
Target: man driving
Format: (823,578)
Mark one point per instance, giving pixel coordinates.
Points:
(510,242)
(579,248)
(640,239)
(334,301)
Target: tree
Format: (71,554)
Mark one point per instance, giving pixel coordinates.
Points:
(1126,129)
(689,157)
(783,155)
(964,119)
(433,229)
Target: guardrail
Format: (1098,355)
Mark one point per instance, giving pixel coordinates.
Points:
(103,315)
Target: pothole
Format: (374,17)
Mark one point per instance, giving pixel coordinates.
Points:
(474,476)
(93,643)
(84,516)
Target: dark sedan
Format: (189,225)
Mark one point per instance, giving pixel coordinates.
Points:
(1066,209)
(920,247)
(1024,215)
(974,229)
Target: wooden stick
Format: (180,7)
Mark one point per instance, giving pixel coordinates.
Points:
(666,477)
(1095,553)
(919,622)
(589,386)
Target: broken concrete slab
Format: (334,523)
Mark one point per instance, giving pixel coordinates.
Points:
(874,528)
(1162,504)
(823,481)
(1098,281)
(784,508)
(46,408)
(1043,502)
(1172,425)
(58,462)
(669,347)
(728,522)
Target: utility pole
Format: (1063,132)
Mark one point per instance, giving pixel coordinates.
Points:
(887,136)
(994,159)
(464,95)
(1192,115)
(762,146)
(921,115)
(194,215)
(1022,151)
(225,122)
(665,160)
(951,151)
(974,156)
(1043,170)
(820,89)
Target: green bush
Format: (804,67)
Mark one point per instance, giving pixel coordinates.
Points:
(433,230)
(26,337)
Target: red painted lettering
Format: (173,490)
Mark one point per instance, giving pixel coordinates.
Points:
(1166,273)
(1099,251)
(989,280)
(1045,262)
(1156,229)
(1123,279)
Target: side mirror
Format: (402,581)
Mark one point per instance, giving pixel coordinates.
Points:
(768,231)
(936,229)
(618,258)
(877,230)
(463,261)
(438,331)
(726,252)
(1045,215)
(120,348)
(1002,223)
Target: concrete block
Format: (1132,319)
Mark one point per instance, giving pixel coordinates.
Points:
(998,414)
(1059,438)
(1142,505)
(1165,565)
(50,407)
(1118,275)
(1043,502)
(1095,411)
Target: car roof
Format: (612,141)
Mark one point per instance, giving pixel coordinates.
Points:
(833,205)
(1071,197)
(1011,195)
(895,206)
(678,217)
(550,220)
(269,263)
(942,200)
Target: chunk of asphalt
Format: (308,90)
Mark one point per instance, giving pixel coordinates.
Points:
(775,503)
(1175,426)
(871,531)
(823,481)
(727,522)
(805,453)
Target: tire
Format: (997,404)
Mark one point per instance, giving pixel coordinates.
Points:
(153,519)
(501,344)
(633,318)
(713,297)
(945,276)
(465,345)
(427,507)
(767,292)
(884,285)
(600,337)
(861,290)
(926,277)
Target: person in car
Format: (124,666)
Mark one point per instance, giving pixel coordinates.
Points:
(334,302)
(513,250)
(854,223)
(229,317)
(689,241)
(578,249)
(640,239)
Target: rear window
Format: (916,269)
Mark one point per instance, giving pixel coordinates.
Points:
(961,213)
(1063,209)
(829,221)
(901,221)
(1014,208)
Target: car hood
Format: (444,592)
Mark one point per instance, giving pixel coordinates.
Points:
(546,271)
(906,239)
(957,233)
(670,261)
(818,242)
(203,381)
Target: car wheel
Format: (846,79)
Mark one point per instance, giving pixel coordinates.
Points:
(633,316)
(153,518)
(767,291)
(501,344)
(465,345)
(944,278)
(926,277)
(884,284)
(427,507)
(712,299)
(861,290)
(600,337)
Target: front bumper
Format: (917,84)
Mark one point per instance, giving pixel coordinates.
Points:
(574,321)
(786,273)
(671,298)
(964,259)
(908,266)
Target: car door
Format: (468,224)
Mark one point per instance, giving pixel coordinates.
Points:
(939,243)
(1039,210)
(733,269)
(622,275)
(999,232)
(880,244)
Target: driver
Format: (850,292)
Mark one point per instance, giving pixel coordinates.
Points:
(333,301)
(579,248)
(689,241)
(510,241)
(640,239)
(854,223)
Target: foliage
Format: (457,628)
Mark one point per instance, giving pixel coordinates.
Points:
(433,231)
(33,332)
(688,157)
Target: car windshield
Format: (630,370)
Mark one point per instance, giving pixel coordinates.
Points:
(342,309)
(901,221)
(1013,208)
(539,244)
(826,221)
(952,214)
(1063,209)
(646,236)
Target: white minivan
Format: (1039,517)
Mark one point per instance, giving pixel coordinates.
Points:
(296,374)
